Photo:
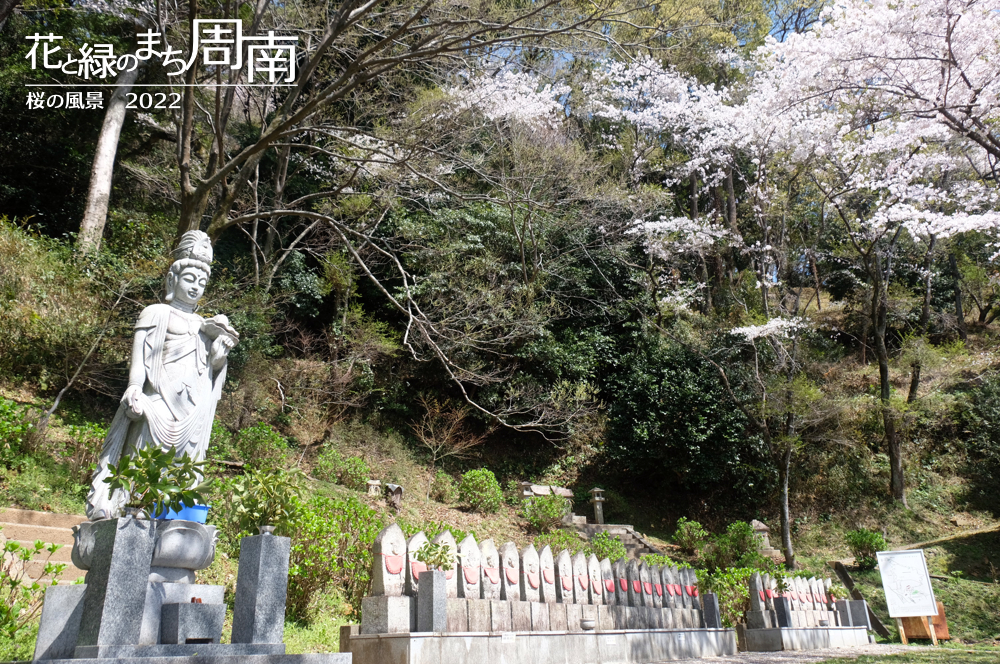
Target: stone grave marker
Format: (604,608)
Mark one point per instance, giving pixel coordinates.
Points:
(413,566)
(547,587)
(656,586)
(510,576)
(451,577)
(530,575)
(647,584)
(756,592)
(564,578)
(469,564)
(669,577)
(634,583)
(596,580)
(490,580)
(608,579)
(581,579)
(621,582)
(388,561)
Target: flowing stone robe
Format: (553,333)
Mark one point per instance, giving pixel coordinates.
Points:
(547,587)
(413,566)
(451,576)
(564,578)
(510,573)
(469,566)
(490,581)
(388,561)
(531,575)
(178,399)
(596,580)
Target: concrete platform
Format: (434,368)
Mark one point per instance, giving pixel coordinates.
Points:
(335,658)
(804,638)
(605,647)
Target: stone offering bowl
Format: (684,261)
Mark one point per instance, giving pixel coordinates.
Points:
(181,548)
(588,625)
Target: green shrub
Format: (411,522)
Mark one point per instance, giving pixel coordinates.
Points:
(661,560)
(689,536)
(604,545)
(863,543)
(513,495)
(22,592)
(480,490)
(443,488)
(221,444)
(158,480)
(560,539)
(331,546)
(544,513)
(260,446)
(82,449)
(739,546)
(352,472)
(258,498)
(15,427)
(733,589)
(435,556)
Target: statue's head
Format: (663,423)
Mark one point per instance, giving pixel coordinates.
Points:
(189,274)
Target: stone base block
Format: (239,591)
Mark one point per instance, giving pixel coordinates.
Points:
(539,616)
(479,615)
(520,616)
(574,614)
(804,638)
(158,594)
(388,615)
(614,647)
(192,623)
(60,622)
(558,617)
(501,616)
(458,615)
(167,650)
(761,620)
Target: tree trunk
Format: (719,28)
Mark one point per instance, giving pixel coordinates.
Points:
(959,313)
(925,313)
(914,382)
(6,9)
(95,212)
(896,483)
(784,470)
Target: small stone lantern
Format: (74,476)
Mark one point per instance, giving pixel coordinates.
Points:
(526,491)
(597,498)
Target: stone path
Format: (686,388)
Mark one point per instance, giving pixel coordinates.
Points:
(803,657)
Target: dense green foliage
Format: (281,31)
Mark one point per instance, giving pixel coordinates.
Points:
(604,545)
(480,490)
(863,544)
(351,472)
(155,480)
(544,513)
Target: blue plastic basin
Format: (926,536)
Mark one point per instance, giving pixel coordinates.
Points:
(197,513)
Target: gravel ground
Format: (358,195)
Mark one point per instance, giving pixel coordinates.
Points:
(797,657)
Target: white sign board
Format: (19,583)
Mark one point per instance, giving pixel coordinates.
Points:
(907,583)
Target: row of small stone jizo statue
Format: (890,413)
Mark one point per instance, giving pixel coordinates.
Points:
(809,600)
(481,571)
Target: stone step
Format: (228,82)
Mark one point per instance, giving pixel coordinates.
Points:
(29,533)
(33,518)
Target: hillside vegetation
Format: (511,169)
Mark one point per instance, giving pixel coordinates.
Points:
(725,261)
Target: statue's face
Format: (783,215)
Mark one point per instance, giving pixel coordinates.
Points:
(190,285)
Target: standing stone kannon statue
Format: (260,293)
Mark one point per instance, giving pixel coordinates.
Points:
(176,374)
